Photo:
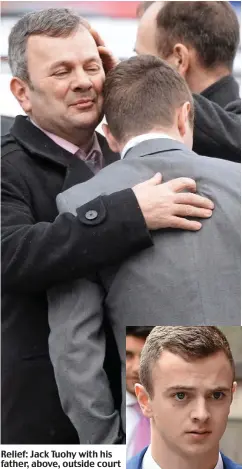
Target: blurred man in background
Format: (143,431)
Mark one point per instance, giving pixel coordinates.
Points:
(137,426)
(187,386)
(200,40)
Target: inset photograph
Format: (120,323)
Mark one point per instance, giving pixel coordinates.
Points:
(184,397)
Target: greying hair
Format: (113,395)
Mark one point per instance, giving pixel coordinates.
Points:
(190,343)
(52,22)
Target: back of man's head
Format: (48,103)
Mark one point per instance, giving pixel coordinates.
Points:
(211,28)
(143,94)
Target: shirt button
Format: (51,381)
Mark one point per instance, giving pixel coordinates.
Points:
(91,215)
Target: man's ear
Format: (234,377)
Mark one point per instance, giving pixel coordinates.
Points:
(112,142)
(181,56)
(234,387)
(20,90)
(183,118)
(143,400)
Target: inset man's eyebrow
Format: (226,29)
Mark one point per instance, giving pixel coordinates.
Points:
(180,388)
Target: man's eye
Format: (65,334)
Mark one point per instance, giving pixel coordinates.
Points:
(180,396)
(60,73)
(218,395)
(93,69)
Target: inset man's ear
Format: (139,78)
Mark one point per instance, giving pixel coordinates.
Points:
(112,142)
(234,387)
(20,90)
(181,56)
(143,400)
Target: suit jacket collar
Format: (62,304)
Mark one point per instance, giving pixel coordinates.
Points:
(41,146)
(136,461)
(157,145)
(223,91)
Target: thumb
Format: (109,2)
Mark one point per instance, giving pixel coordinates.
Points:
(155,180)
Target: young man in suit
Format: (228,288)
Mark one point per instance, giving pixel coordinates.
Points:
(58,78)
(200,40)
(187,385)
(183,279)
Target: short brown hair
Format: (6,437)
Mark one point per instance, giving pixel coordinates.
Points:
(191,343)
(141,93)
(212,28)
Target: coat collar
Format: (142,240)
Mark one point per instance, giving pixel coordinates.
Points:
(157,145)
(40,145)
(223,91)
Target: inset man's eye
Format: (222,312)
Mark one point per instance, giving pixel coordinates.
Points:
(218,395)
(180,396)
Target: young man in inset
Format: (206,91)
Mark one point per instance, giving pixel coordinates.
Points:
(187,385)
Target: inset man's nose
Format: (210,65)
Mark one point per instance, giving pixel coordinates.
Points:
(200,411)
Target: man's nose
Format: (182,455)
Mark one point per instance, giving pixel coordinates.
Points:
(200,411)
(81,80)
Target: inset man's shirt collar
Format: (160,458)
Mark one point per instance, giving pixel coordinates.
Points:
(149,463)
(141,138)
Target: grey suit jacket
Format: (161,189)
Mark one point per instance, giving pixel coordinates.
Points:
(186,278)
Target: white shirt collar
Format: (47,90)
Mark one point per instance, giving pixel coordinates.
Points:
(141,138)
(149,463)
(130,399)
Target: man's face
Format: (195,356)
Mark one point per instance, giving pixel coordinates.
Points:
(191,402)
(134,347)
(67,77)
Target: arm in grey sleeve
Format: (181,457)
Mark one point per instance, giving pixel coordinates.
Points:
(77,351)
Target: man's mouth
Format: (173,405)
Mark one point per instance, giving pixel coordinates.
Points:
(84,103)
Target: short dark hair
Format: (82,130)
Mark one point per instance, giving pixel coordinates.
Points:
(141,332)
(212,28)
(52,22)
(190,343)
(141,93)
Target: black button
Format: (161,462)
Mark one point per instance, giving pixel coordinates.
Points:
(91,215)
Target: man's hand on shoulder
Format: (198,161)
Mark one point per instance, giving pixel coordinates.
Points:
(166,206)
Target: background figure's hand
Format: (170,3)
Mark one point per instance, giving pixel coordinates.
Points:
(107,57)
(164,205)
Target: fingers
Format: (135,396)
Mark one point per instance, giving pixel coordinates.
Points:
(193,199)
(96,36)
(180,184)
(184,224)
(191,211)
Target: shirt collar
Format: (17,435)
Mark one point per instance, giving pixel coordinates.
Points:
(71,147)
(149,463)
(130,399)
(141,138)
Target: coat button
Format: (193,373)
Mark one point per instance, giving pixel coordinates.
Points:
(91,215)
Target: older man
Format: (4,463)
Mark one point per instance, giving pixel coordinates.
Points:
(57,79)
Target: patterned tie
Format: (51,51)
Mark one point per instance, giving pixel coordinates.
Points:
(141,432)
(94,159)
